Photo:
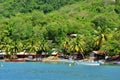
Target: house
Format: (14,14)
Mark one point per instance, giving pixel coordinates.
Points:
(97,55)
(2,54)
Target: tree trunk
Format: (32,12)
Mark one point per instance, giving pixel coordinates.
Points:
(83,56)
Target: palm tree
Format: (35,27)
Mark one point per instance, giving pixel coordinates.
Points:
(71,45)
(101,37)
(32,45)
(46,46)
(79,45)
(112,46)
(8,47)
(102,30)
(66,45)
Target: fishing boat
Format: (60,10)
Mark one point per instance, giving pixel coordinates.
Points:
(15,60)
(67,61)
(88,63)
(118,63)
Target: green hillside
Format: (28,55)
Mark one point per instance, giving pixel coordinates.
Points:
(40,25)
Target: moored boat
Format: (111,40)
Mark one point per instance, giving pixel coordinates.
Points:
(118,63)
(67,61)
(88,63)
(15,60)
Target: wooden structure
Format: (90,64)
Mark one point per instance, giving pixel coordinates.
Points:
(98,55)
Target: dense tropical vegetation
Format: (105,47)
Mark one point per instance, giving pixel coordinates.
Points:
(40,25)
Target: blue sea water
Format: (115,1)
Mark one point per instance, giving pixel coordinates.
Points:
(56,71)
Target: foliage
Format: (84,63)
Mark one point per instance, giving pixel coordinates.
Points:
(112,46)
(40,25)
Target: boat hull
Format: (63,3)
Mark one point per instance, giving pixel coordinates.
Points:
(15,60)
(89,63)
(67,61)
(118,63)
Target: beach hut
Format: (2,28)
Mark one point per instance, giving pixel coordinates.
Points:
(77,56)
(54,53)
(2,54)
(97,55)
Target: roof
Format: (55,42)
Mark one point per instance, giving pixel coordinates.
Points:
(54,53)
(2,53)
(73,35)
(99,52)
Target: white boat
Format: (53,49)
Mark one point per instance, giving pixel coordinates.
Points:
(88,63)
(117,63)
(67,61)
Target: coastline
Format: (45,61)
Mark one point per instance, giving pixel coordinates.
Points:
(54,59)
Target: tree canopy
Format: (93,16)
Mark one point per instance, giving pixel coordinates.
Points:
(40,25)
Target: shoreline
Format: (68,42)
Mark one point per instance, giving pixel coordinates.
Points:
(59,60)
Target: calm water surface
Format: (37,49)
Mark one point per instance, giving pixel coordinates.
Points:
(56,71)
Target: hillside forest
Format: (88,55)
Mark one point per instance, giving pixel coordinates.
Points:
(37,26)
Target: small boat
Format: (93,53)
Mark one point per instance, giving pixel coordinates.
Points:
(67,61)
(18,60)
(15,60)
(118,63)
(89,63)
(31,61)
